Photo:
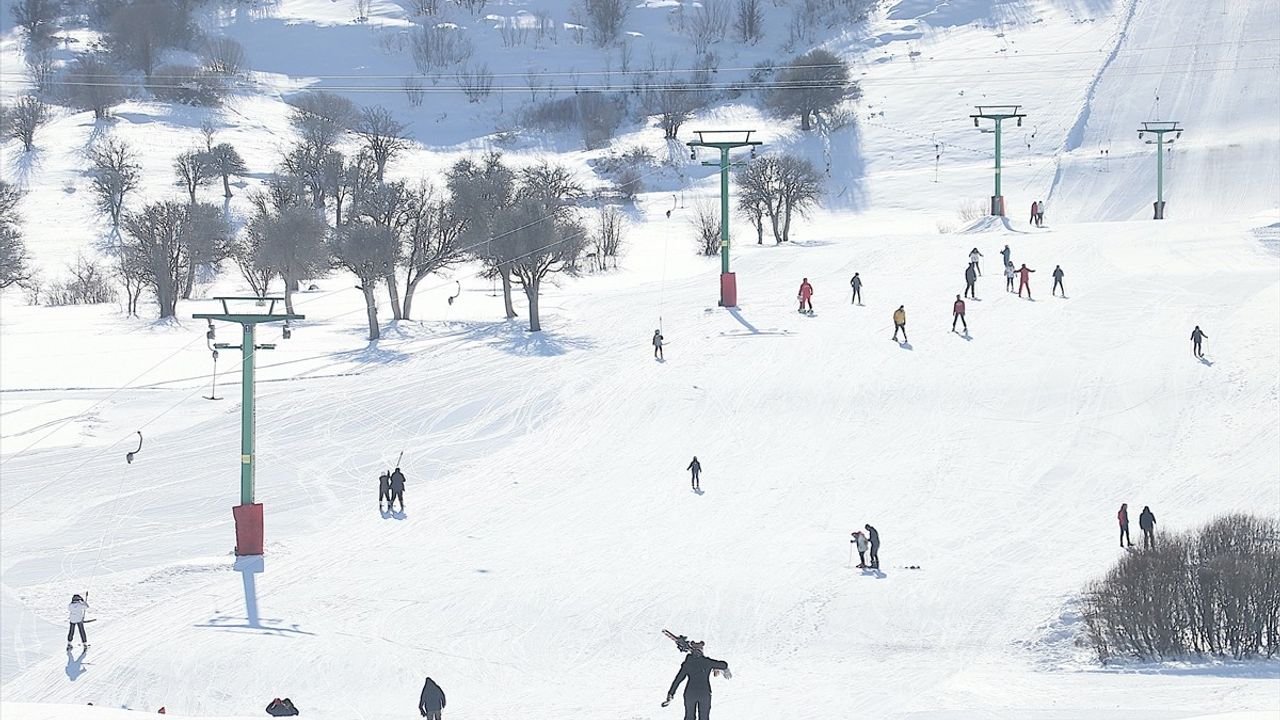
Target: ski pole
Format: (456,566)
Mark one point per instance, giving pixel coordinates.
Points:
(851,542)
(399,458)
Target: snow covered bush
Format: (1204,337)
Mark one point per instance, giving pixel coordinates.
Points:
(223,56)
(186,85)
(748,21)
(604,19)
(706,228)
(476,82)
(92,84)
(437,47)
(709,24)
(1212,591)
(88,284)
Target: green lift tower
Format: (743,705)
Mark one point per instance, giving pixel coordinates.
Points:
(998,113)
(724,141)
(1159,128)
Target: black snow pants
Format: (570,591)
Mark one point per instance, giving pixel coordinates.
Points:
(71,631)
(1196,348)
(1124,535)
(875,555)
(1148,539)
(694,481)
(903,328)
(1057,285)
(1008,284)
(960,317)
(697,706)
(432,715)
(396,495)
(857,295)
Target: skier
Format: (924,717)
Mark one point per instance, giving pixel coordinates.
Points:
(805,295)
(900,323)
(856,283)
(957,313)
(1196,336)
(75,613)
(657,345)
(281,708)
(1057,281)
(1034,208)
(861,541)
(1024,280)
(397,490)
(970,281)
(1008,276)
(695,468)
(874,537)
(974,256)
(1123,517)
(697,669)
(431,702)
(1147,521)
(384,488)
(1006,253)
(1039,213)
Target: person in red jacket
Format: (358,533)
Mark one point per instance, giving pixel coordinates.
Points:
(1024,280)
(806,295)
(1123,517)
(957,313)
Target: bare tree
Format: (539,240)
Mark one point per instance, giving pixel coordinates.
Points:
(709,24)
(223,161)
(748,21)
(604,19)
(611,229)
(535,245)
(800,188)
(777,188)
(87,285)
(91,84)
(140,30)
(369,252)
(38,20)
(165,239)
(431,239)
(812,85)
(706,228)
(223,56)
(478,188)
(26,116)
(436,47)
(476,82)
(115,174)
(320,117)
(14,268)
(289,242)
(384,136)
(192,170)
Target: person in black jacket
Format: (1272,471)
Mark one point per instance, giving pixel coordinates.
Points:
(384,488)
(696,669)
(695,468)
(856,283)
(1147,521)
(431,702)
(873,535)
(397,490)
(281,708)
(1197,336)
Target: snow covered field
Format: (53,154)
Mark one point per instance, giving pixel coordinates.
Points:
(550,532)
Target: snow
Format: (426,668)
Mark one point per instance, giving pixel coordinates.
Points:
(550,532)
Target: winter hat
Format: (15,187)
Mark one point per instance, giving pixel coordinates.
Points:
(696,646)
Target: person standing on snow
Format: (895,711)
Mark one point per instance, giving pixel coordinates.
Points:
(1147,521)
(431,702)
(657,345)
(1057,281)
(900,323)
(75,613)
(1008,277)
(805,295)
(957,313)
(696,669)
(1024,280)
(1006,253)
(1123,517)
(397,490)
(695,468)
(1039,213)
(1034,205)
(1196,336)
(873,536)
(971,281)
(974,257)
(861,541)
(384,488)
(856,283)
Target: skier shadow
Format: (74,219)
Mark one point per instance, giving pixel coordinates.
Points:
(75,665)
(1206,362)
(966,336)
(699,491)
(905,345)
(395,514)
(873,573)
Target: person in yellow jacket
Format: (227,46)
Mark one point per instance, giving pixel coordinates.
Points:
(900,323)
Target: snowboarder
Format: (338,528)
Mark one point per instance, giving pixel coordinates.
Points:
(384,488)
(1147,521)
(431,702)
(806,295)
(75,613)
(696,669)
(861,541)
(974,257)
(281,708)
(856,283)
(1008,277)
(900,323)
(1057,281)
(695,468)
(657,345)
(397,490)
(873,536)
(1024,280)
(957,313)
(1196,336)
(1006,253)
(971,281)
(1123,517)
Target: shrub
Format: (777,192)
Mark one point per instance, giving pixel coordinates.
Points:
(706,228)
(440,46)
(186,85)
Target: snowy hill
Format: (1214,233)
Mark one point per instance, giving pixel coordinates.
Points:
(550,532)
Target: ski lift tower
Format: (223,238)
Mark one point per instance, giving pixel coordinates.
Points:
(724,141)
(998,113)
(1159,128)
(248,312)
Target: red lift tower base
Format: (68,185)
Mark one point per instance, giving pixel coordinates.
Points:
(728,290)
(248,529)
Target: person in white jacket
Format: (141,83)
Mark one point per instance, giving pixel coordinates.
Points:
(861,541)
(75,613)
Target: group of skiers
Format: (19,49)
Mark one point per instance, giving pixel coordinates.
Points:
(864,542)
(391,489)
(1146,521)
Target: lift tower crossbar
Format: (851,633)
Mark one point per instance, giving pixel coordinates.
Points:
(724,141)
(248,514)
(1159,128)
(998,113)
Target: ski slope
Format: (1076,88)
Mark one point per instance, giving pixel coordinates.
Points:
(550,532)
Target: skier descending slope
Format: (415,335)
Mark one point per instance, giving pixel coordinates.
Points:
(1024,280)
(695,468)
(657,345)
(856,283)
(957,313)
(1057,281)
(1196,336)
(974,257)
(806,296)
(1008,277)
(900,323)
(971,281)
(431,702)
(76,612)
(696,670)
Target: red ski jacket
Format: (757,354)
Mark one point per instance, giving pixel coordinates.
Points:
(958,308)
